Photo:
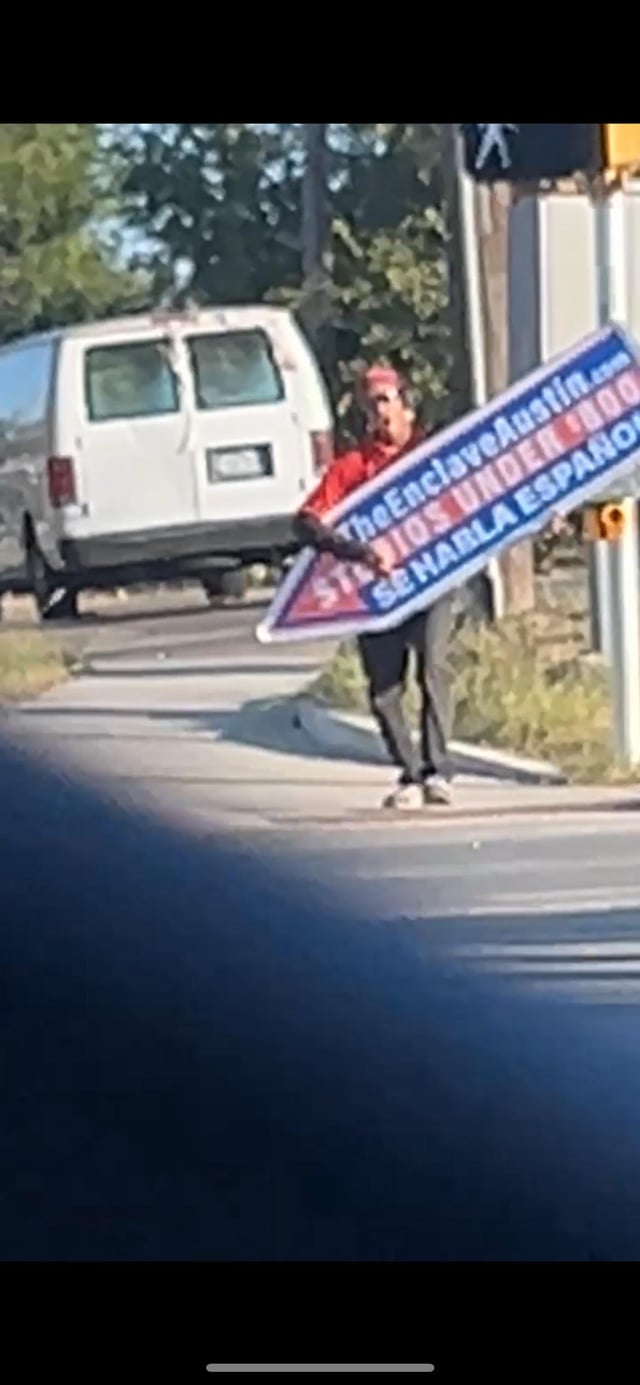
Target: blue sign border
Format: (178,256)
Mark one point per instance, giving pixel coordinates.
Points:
(521,392)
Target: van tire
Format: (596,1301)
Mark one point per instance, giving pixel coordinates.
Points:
(231,583)
(63,606)
(38,578)
(44,588)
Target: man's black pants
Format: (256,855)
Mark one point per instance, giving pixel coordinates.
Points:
(385,659)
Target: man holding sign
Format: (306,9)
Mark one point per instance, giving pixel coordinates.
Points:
(390,432)
(436,509)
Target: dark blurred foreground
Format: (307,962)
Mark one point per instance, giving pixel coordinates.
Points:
(200,1066)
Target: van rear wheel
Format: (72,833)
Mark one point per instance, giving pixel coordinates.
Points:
(231,583)
(52,602)
(38,579)
(62,606)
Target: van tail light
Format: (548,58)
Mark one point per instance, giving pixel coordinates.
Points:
(322,449)
(61,481)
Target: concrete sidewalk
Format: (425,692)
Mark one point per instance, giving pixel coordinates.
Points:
(188,716)
(487,782)
(224,751)
(356,737)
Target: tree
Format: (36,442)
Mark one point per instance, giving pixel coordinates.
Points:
(56,266)
(314,307)
(390,256)
(220,211)
(218,207)
(493,203)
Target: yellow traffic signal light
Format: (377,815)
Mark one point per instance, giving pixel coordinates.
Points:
(604,522)
(621,146)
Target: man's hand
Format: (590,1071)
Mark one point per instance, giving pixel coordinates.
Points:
(380,563)
(559,525)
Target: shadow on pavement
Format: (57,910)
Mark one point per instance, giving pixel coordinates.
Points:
(265,723)
(164,669)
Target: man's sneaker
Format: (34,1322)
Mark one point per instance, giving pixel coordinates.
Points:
(436,790)
(409,797)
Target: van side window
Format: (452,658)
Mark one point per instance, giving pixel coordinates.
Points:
(234,369)
(25,382)
(129,380)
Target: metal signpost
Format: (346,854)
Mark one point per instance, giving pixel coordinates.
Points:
(617,560)
(534,155)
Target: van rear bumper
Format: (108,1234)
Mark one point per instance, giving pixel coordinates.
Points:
(250,541)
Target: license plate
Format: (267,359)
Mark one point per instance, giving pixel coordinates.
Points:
(239,464)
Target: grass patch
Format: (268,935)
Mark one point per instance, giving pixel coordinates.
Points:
(527,686)
(30,663)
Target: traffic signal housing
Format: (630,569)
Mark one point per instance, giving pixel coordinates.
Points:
(606,522)
(621,147)
(528,154)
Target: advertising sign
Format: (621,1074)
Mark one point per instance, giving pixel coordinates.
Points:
(563,434)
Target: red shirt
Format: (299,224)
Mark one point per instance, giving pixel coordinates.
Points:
(346,473)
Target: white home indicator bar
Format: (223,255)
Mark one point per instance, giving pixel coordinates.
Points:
(391,1369)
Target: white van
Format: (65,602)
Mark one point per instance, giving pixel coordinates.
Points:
(150,447)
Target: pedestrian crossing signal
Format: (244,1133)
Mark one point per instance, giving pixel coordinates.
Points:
(545,153)
(531,153)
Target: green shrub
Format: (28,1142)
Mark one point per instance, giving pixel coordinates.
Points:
(30,663)
(524,686)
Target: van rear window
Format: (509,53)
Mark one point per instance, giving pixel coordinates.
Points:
(129,380)
(234,369)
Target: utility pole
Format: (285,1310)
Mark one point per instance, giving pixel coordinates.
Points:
(316,303)
(608,287)
(466,308)
(492,204)
(462,301)
(617,580)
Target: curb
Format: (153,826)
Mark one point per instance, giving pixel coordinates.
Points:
(437,818)
(354,739)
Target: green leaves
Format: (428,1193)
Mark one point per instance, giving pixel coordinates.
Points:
(390,258)
(220,207)
(54,266)
(213,214)
(217,208)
